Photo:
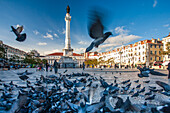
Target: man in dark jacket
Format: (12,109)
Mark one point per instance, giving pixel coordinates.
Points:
(55,66)
(168,70)
(46,65)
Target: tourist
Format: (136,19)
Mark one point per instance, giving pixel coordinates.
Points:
(51,68)
(83,66)
(40,66)
(46,65)
(55,67)
(168,70)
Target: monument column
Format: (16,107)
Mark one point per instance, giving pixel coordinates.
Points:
(67,51)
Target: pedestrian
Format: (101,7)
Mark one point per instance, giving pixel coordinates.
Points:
(83,65)
(41,66)
(168,70)
(46,65)
(55,67)
(51,68)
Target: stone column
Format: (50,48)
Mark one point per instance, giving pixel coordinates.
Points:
(67,38)
(67,51)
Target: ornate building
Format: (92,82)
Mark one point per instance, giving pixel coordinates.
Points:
(142,52)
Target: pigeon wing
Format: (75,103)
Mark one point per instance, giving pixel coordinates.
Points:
(96,28)
(19,29)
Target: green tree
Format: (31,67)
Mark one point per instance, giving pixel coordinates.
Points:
(2,52)
(167,48)
(110,60)
(91,62)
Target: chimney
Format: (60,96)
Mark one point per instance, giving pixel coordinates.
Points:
(158,39)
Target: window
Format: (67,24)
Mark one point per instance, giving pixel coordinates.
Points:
(159,46)
(155,52)
(159,52)
(139,53)
(159,58)
(151,45)
(155,58)
(143,58)
(151,52)
(151,58)
(155,46)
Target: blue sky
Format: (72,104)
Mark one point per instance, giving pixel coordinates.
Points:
(44,24)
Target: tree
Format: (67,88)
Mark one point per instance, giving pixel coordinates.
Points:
(111,60)
(91,62)
(2,52)
(167,52)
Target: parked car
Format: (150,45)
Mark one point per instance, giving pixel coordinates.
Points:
(165,63)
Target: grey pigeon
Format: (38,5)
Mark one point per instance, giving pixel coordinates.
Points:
(96,31)
(165,86)
(20,37)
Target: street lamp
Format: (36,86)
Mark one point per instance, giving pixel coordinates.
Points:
(147,56)
(120,58)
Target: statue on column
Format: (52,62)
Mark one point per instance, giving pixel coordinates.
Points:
(68,9)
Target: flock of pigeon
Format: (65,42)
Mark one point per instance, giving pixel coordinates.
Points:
(74,93)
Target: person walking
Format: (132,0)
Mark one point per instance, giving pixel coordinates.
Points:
(83,65)
(51,68)
(168,70)
(55,67)
(46,65)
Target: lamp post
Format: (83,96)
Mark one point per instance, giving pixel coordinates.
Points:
(147,56)
(120,58)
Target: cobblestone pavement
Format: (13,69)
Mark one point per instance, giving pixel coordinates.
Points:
(107,74)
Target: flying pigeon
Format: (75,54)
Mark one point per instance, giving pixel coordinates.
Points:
(20,37)
(96,31)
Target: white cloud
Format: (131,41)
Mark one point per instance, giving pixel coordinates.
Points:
(155,3)
(122,38)
(132,23)
(52,51)
(56,35)
(79,50)
(64,31)
(48,36)
(35,32)
(121,30)
(83,43)
(42,43)
(109,49)
(166,25)
(50,31)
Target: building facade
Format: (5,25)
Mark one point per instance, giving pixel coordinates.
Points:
(13,53)
(166,46)
(140,53)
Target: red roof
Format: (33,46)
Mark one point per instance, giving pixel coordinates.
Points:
(61,54)
(75,54)
(56,54)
